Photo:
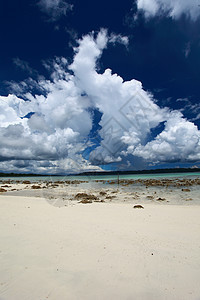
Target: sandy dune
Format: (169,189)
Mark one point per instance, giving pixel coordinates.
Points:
(98,251)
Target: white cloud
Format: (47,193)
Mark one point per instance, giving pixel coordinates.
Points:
(118,38)
(58,128)
(196,118)
(172,8)
(55,134)
(129,114)
(179,141)
(50,167)
(55,8)
(126,107)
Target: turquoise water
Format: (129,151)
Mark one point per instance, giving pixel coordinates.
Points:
(104,177)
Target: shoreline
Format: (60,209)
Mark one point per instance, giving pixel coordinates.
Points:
(176,191)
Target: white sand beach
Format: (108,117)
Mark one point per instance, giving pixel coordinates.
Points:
(98,251)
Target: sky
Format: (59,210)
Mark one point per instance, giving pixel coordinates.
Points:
(99,85)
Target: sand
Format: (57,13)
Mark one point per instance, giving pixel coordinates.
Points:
(98,250)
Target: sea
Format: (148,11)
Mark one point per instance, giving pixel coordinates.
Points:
(103,177)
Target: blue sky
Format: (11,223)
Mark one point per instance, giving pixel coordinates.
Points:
(90,85)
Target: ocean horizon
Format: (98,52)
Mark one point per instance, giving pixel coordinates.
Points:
(101,177)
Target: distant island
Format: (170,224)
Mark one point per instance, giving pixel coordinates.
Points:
(155,171)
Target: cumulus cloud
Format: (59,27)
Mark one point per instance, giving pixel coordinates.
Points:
(127,109)
(172,8)
(57,127)
(48,132)
(179,141)
(50,167)
(128,112)
(55,8)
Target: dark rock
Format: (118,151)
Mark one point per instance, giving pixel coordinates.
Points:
(186,190)
(102,193)
(161,199)
(36,187)
(85,201)
(138,206)
(85,196)
(110,197)
(150,197)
